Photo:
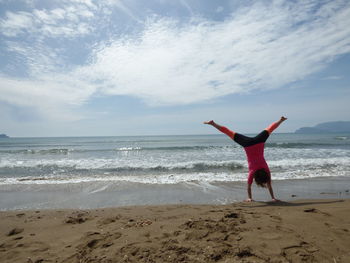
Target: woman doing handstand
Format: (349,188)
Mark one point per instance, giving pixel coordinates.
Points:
(254,148)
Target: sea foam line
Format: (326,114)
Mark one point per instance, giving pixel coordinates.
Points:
(165,165)
(209,177)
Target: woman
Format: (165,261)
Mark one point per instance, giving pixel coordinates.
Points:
(254,148)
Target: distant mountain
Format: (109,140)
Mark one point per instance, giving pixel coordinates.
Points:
(327,127)
(3,136)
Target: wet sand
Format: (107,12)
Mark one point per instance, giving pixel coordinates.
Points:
(95,195)
(298,231)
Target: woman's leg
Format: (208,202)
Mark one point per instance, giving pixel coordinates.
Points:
(223,129)
(261,137)
(275,125)
(246,141)
(243,140)
(237,137)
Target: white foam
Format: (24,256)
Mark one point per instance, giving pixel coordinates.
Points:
(148,179)
(341,138)
(311,162)
(128,149)
(205,177)
(101,163)
(125,164)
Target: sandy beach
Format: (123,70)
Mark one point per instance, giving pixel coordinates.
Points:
(298,231)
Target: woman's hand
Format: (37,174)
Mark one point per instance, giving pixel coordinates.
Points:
(283,119)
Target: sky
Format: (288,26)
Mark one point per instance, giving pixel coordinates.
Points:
(162,67)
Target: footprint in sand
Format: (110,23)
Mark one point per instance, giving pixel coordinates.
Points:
(314,210)
(77,218)
(20,215)
(271,236)
(109,220)
(96,239)
(15,231)
(92,233)
(301,252)
(310,210)
(92,243)
(276,218)
(166,235)
(196,235)
(232,215)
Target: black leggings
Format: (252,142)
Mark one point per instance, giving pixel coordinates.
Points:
(246,141)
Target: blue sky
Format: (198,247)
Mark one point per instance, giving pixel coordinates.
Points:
(113,67)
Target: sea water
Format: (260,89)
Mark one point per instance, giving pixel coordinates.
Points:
(107,164)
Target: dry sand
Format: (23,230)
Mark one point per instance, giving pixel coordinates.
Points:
(301,231)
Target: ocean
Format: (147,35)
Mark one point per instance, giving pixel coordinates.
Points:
(37,168)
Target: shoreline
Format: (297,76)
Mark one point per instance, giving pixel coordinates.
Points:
(103,195)
(314,230)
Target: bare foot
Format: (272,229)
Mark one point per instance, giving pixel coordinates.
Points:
(209,122)
(275,200)
(249,200)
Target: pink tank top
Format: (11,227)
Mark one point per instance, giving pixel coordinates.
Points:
(256,160)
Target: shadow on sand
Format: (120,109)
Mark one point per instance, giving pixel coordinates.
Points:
(294,203)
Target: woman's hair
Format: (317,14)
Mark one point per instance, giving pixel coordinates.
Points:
(261,177)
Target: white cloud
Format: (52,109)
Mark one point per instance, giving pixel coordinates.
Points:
(67,18)
(333,78)
(88,3)
(219,9)
(107,4)
(263,47)
(54,96)
(16,23)
(187,6)
(170,63)
(70,20)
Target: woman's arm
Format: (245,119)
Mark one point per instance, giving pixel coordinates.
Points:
(223,129)
(269,186)
(249,190)
(275,125)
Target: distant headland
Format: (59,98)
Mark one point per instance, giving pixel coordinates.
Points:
(327,127)
(4,136)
